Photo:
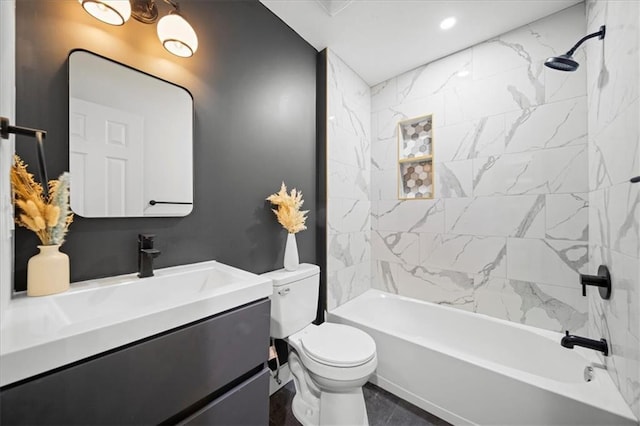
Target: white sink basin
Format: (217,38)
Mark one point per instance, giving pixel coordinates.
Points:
(38,334)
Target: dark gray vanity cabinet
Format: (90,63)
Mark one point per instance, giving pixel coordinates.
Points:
(212,371)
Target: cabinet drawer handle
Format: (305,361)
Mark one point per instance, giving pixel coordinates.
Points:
(284,291)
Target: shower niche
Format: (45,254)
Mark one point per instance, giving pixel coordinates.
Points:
(415,158)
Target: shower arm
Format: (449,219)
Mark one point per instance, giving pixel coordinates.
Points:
(6,129)
(599,34)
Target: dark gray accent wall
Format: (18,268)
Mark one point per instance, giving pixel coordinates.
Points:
(253,82)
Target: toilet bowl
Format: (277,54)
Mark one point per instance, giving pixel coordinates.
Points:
(329,362)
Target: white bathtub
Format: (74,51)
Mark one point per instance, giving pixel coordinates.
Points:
(473,369)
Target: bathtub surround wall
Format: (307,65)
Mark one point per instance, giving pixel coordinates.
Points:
(613,71)
(507,232)
(348,176)
(254,127)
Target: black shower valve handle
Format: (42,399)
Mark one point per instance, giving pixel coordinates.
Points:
(635,179)
(602,281)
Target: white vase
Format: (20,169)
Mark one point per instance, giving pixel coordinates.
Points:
(48,272)
(291,259)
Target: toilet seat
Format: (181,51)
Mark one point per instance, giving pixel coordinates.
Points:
(324,369)
(338,345)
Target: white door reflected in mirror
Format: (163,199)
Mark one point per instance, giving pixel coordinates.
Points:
(130,141)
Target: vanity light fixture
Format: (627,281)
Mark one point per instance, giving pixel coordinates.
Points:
(176,35)
(174,32)
(112,12)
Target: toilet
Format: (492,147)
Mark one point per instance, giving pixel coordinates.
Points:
(329,362)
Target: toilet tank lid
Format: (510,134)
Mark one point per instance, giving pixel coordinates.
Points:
(283,277)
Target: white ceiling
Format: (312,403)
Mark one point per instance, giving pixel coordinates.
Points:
(380,39)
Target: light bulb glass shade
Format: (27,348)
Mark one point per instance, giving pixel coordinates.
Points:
(177,36)
(113,12)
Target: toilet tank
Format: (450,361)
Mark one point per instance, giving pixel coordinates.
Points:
(294,301)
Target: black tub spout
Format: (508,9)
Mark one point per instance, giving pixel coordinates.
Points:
(569,341)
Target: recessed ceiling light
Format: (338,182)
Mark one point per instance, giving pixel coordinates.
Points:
(448,23)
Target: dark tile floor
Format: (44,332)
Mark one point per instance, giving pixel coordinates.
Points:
(383,409)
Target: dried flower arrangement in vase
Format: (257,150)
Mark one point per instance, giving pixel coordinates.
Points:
(49,217)
(292,219)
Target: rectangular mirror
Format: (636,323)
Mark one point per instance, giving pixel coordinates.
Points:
(130,141)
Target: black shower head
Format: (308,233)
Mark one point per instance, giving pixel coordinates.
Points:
(562,63)
(566,62)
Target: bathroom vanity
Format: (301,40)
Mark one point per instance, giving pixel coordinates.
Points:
(195,356)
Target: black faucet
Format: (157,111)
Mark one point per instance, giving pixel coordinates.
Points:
(146,254)
(569,341)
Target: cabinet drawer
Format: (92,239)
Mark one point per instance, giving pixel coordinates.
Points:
(147,382)
(247,404)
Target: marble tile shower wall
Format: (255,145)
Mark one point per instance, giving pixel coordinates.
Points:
(507,232)
(613,70)
(348,183)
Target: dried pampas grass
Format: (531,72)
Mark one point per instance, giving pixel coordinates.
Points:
(288,212)
(48,215)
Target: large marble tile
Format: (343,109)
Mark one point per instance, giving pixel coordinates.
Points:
(344,114)
(468,140)
(512,216)
(464,253)
(388,118)
(344,181)
(555,262)
(400,247)
(559,85)
(385,185)
(599,229)
(454,179)
(613,151)
(350,249)
(622,309)
(599,327)
(547,126)
(384,155)
(343,80)
(613,63)
(558,170)
(445,287)
(529,45)
(508,91)
(346,283)
(382,277)
(384,95)
(345,147)
(348,215)
(614,218)
(411,216)
(632,388)
(539,305)
(567,217)
(622,204)
(434,77)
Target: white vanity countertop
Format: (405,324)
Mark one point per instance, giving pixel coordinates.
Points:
(38,334)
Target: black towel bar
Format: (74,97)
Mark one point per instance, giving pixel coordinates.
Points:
(154,202)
